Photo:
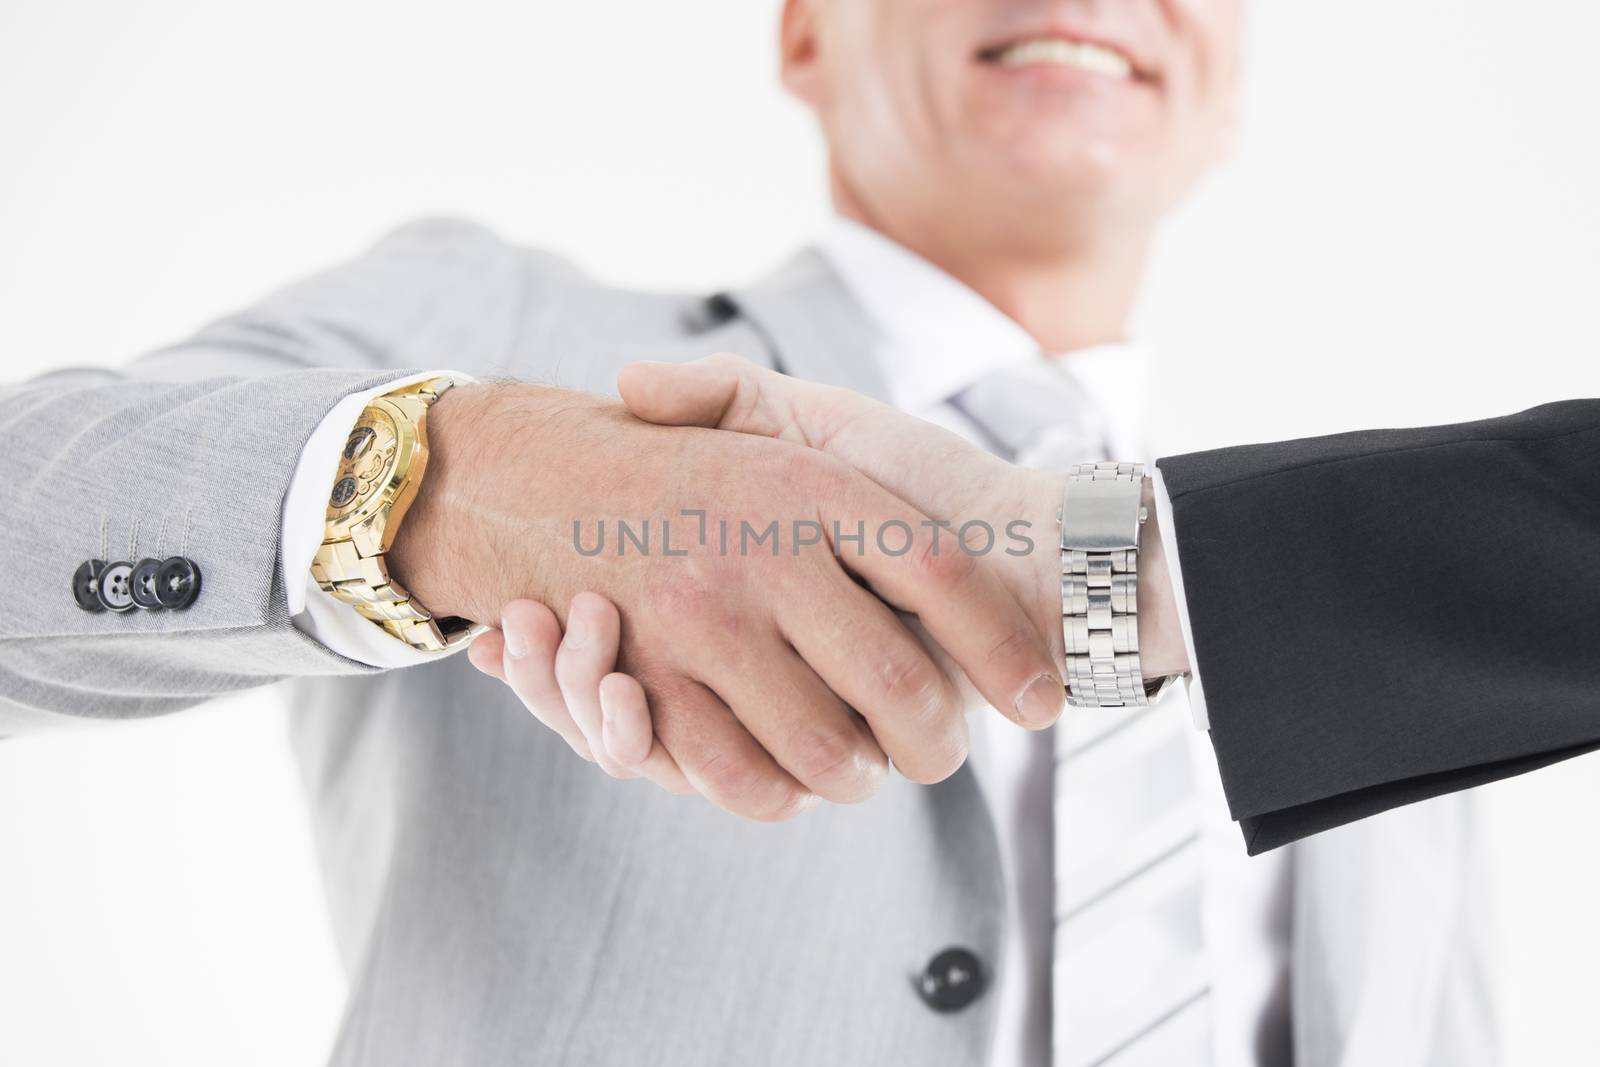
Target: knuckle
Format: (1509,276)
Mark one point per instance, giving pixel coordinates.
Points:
(729,778)
(829,755)
(941,757)
(918,691)
(928,710)
(744,786)
(940,564)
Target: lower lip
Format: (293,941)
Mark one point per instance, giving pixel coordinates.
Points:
(1063,77)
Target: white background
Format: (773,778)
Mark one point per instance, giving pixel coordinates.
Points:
(1408,234)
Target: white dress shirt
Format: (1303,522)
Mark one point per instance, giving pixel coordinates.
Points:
(938,336)
(322,615)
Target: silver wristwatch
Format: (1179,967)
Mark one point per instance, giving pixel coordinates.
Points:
(1102,514)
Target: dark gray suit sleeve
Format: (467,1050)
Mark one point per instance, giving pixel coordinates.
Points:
(1385,616)
(190,450)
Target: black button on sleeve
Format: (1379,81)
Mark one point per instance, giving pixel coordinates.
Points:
(143,581)
(86,584)
(115,586)
(177,582)
(951,980)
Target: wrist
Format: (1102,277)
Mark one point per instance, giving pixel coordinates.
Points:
(425,554)
(1037,578)
(488,448)
(1161,648)
(1037,574)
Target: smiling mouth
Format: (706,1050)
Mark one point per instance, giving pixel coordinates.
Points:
(1063,52)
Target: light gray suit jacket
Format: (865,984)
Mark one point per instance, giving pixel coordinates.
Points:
(499,902)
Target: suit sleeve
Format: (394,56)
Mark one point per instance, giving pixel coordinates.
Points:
(189,450)
(1385,616)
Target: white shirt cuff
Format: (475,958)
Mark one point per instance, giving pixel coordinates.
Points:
(325,618)
(1169,544)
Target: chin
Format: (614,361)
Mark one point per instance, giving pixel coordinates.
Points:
(1084,171)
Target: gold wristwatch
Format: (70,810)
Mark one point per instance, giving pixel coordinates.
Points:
(380,471)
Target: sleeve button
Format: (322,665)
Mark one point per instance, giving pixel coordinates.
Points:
(143,581)
(115,586)
(177,582)
(85,585)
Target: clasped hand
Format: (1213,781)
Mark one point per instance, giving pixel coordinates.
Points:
(767,679)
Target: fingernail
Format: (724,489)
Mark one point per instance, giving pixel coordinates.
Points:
(516,642)
(577,632)
(1041,701)
(809,801)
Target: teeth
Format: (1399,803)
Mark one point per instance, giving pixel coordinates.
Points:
(1080,54)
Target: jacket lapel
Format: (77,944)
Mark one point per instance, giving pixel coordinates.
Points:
(814,327)
(1376,906)
(817,331)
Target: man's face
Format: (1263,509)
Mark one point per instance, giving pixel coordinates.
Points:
(1040,121)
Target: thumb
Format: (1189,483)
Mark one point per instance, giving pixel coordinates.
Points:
(728,392)
(700,393)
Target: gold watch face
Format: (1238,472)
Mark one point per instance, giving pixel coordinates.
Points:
(365,464)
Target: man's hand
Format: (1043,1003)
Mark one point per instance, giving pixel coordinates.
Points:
(929,467)
(772,676)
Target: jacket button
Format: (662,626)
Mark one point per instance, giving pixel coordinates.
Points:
(85,584)
(116,587)
(143,581)
(951,980)
(177,582)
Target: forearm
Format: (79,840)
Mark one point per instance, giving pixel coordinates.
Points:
(1389,615)
(190,450)
(105,465)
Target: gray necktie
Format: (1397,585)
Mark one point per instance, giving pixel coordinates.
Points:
(1130,983)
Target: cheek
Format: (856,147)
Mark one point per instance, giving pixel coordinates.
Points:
(892,110)
(1208,33)
(1203,75)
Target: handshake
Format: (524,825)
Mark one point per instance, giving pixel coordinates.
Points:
(774,589)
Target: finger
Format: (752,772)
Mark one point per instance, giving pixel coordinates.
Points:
(968,697)
(587,654)
(485,653)
(718,756)
(803,724)
(963,604)
(698,393)
(728,392)
(530,637)
(964,607)
(879,667)
(625,727)
(629,734)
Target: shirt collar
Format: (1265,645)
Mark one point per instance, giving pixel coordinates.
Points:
(939,336)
